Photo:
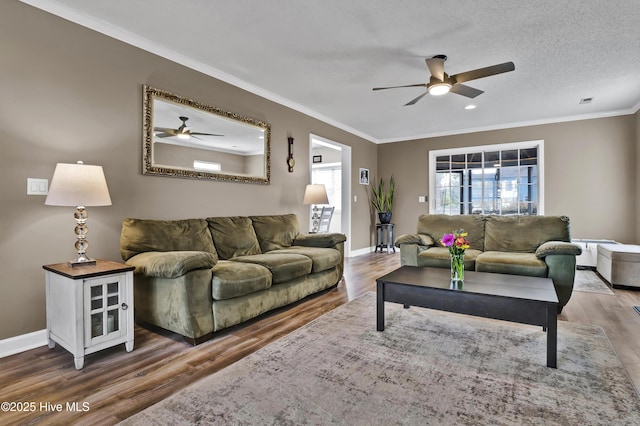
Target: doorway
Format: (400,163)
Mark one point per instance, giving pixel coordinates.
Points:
(331,166)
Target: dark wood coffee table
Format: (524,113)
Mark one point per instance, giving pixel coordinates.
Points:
(526,300)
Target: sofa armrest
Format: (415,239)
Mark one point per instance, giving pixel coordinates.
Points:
(171,264)
(557,247)
(319,240)
(420,239)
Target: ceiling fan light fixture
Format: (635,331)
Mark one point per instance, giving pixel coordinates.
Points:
(439,89)
(184,136)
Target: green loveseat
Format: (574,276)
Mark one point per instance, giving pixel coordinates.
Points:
(198,276)
(538,246)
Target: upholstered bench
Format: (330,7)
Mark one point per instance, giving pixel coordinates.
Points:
(619,264)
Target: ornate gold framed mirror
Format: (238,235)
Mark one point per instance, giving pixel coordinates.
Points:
(188,139)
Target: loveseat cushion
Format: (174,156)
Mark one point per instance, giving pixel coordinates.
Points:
(283,266)
(142,235)
(524,233)
(558,247)
(439,257)
(276,231)
(234,279)
(420,239)
(321,258)
(233,236)
(511,263)
(436,225)
(171,264)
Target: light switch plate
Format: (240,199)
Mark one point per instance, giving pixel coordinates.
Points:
(37,186)
(422,199)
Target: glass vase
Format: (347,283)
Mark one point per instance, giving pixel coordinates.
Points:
(457,267)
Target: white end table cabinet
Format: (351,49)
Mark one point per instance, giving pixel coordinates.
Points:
(89,308)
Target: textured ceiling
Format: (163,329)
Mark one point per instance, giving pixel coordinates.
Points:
(323,57)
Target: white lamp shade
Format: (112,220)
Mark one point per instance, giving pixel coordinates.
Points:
(78,185)
(315,194)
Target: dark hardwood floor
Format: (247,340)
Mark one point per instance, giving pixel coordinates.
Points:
(115,384)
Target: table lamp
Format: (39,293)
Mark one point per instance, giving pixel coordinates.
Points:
(315,194)
(79,185)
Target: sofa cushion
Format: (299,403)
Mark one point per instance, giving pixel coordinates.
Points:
(233,236)
(171,264)
(143,235)
(511,263)
(319,240)
(524,233)
(283,266)
(275,232)
(436,225)
(439,257)
(321,258)
(234,279)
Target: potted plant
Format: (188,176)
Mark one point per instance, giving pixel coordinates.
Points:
(382,199)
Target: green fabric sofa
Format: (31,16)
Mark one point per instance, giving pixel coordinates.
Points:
(538,246)
(198,276)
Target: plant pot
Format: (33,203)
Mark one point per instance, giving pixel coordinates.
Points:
(385,217)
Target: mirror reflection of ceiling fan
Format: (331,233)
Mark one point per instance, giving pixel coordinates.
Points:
(182,132)
(441,83)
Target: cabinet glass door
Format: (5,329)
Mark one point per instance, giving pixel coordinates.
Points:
(103,309)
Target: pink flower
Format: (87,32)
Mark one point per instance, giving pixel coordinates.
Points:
(448,240)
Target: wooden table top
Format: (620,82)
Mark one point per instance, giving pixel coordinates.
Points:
(513,286)
(102,267)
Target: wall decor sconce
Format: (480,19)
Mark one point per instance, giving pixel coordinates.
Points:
(290,161)
(79,185)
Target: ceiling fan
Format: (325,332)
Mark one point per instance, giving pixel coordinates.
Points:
(182,132)
(441,83)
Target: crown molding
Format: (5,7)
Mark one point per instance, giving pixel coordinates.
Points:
(515,125)
(56,8)
(62,11)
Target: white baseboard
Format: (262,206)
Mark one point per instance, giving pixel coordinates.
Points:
(24,342)
(360,252)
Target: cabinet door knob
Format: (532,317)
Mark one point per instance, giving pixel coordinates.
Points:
(124,306)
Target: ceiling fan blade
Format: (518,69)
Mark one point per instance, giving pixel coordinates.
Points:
(164,129)
(469,92)
(164,135)
(413,101)
(484,72)
(204,134)
(397,87)
(436,66)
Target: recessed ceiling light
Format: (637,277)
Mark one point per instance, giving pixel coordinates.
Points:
(470,107)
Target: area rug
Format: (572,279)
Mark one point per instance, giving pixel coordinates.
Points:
(426,368)
(589,282)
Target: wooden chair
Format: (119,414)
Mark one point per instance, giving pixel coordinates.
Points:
(325,219)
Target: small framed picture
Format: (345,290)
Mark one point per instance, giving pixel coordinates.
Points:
(317,158)
(364,176)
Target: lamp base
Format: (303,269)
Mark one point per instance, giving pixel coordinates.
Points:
(82,261)
(81,243)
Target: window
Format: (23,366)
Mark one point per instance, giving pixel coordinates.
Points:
(495,179)
(331,176)
(207,166)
